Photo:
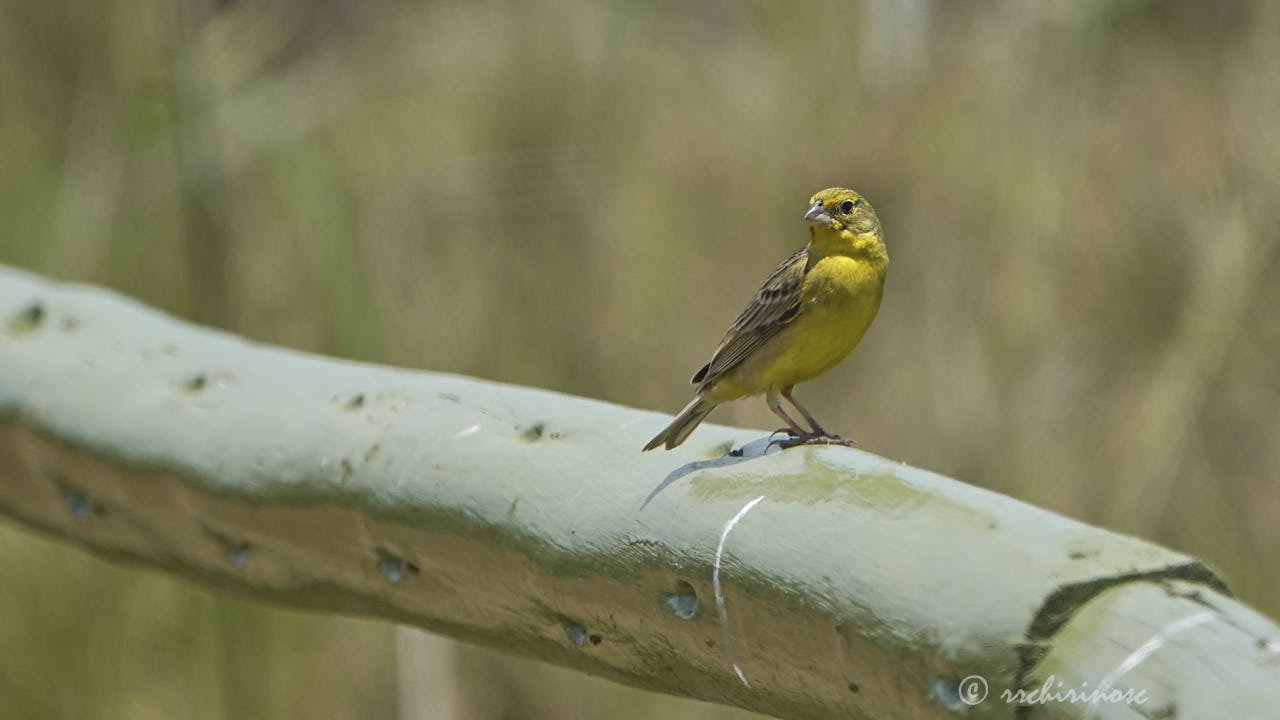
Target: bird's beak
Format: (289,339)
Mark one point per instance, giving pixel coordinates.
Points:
(817,215)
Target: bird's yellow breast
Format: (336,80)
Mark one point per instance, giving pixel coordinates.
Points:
(839,298)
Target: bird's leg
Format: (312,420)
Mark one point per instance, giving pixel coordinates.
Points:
(817,429)
(793,428)
(818,436)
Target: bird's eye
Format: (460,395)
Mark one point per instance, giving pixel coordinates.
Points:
(846,206)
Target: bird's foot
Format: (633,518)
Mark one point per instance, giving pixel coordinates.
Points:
(815,439)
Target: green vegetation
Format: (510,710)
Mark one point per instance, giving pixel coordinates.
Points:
(1079,200)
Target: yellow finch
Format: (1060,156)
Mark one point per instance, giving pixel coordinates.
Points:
(809,314)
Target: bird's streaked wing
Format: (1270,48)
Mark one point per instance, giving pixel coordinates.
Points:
(776,303)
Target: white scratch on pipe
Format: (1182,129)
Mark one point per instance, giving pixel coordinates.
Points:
(417,462)
(467,431)
(1146,650)
(719,593)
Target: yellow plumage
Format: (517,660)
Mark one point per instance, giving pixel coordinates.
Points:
(806,317)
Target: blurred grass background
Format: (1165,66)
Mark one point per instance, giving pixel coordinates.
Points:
(1080,201)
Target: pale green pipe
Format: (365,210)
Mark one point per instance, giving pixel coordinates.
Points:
(853,586)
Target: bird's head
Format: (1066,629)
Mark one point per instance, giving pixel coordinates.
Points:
(843,222)
(839,209)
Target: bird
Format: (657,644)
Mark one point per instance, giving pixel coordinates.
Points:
(809,314)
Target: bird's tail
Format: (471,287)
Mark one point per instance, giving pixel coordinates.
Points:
(688,419)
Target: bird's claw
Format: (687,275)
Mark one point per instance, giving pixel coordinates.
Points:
(815,439)
(791,435)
